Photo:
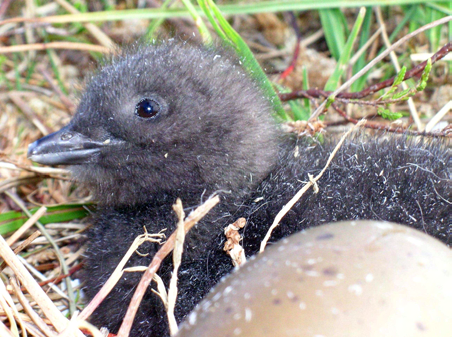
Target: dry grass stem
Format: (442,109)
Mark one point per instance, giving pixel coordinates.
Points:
(10,310)
(420,57)
(368,43)
(116,275)
(147,277)
(30,222)
(22,246)
(38,169)
(177,257)
(161,290)
(312,182)
(41,277)
(95,31)
(439,115)
(54,45)
(47,306)
(90,328)
(377,59)
(395,62)
(47,331)
(4,331)
(39,92)
(36,120)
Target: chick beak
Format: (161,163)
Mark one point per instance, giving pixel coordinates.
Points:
(64,147)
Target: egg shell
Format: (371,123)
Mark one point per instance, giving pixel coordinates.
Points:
(353,278)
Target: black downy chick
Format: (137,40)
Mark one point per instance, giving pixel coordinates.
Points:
(176,120)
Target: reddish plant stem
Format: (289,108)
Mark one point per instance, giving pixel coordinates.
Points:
(383,127)
(317,93)
(296,53)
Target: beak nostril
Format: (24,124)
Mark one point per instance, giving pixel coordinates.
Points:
(66,136)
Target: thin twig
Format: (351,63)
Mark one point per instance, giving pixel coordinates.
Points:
(29,310)
(316,93)
(177,257)
(312,182)
(117,273)
(395,62)
(8,309)
(348,83)
(161,290)
(22,246)
(64,268)
(45,303)
(146,279)
(386,128)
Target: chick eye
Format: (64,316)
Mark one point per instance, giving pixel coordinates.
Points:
(147,108)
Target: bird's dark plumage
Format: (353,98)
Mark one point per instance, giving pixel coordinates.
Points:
(174,120)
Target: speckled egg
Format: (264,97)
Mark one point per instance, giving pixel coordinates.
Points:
(354,278)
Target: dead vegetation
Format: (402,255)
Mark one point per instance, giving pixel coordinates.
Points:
(41,73)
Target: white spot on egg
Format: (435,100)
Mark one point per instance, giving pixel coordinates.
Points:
(369,278)
(216,297)
(192,318)
(382,225)
(237,331)
(302,305)
(227,290)
(355,289)
(414,241)
(312,273)
(248,314)
(206,305)
(330,283)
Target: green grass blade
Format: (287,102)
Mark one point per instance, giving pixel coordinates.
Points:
(198,21)
(359,84)
(11,221)
(156,23)
(332,23)
(227,9)
(209,14)
(434,34)
(442,7)
(306,101)
(333,81)
(250,63)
